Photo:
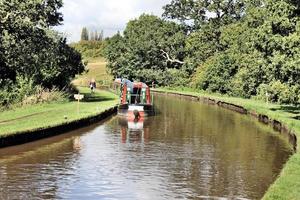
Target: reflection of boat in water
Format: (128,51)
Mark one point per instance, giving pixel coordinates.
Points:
(134,130)
(136,100)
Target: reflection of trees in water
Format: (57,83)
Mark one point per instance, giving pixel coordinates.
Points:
(218,151)
(35,172)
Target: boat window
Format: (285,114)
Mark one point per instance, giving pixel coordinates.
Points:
(136,95)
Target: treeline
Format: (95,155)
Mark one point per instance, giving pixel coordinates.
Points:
(240,48)
(33,57)
(91,44)
(91,35)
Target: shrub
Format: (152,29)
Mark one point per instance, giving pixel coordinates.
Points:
(24,92)
(278,92)
(43,95)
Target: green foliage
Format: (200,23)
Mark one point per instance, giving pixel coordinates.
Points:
(14,93)
(231,47)
(201,45)
(150,46)
(279,92)
(194,13)
(42,95)
(204,19)
(215,75)
(31,50)
(261,49)
(24,92)
(168,77)
(113,52)
(90,49)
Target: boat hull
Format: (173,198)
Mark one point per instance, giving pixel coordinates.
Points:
(133,111)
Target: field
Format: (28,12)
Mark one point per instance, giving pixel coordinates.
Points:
(96,69)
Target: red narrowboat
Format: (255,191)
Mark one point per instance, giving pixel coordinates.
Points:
(135,100)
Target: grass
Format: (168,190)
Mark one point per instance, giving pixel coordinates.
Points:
(38,116)
(96,70)
(287,185)
(32,117)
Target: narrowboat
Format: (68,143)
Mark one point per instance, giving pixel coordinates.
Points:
(136,100)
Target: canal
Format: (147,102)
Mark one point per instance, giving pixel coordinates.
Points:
(188,151)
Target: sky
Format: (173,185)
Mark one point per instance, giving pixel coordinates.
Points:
(110,16)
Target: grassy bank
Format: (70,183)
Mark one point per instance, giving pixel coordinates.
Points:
(287,186)
(34,117)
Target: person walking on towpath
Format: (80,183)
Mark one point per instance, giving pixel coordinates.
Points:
(92,85)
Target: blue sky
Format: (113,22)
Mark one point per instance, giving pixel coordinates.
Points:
(108,15)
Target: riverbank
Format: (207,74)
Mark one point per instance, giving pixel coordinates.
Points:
(287,186)
(38,120)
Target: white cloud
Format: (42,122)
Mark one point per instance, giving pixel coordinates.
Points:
(108,15)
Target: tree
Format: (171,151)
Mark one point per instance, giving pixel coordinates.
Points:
(84,34)
(204,19)
(31,52)
(263,49)
(93,35)
(96,36)
(100,36)
(148,48)
(195,13)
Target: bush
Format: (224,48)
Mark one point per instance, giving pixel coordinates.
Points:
(13,93)
(6,97)
(278,92)
(43,95)
(25,92)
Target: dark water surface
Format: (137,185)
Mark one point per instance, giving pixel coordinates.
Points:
(188,151)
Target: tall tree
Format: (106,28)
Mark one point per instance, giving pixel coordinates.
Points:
(92,36)
(101,36)
(84,34)
(96,36)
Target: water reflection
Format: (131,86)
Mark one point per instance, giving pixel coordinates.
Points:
(188,151)
(134,130)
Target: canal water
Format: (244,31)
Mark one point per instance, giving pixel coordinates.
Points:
(188,151)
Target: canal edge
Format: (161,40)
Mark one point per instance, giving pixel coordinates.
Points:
(23,137)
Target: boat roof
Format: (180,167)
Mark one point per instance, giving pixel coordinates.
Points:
(131,84)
